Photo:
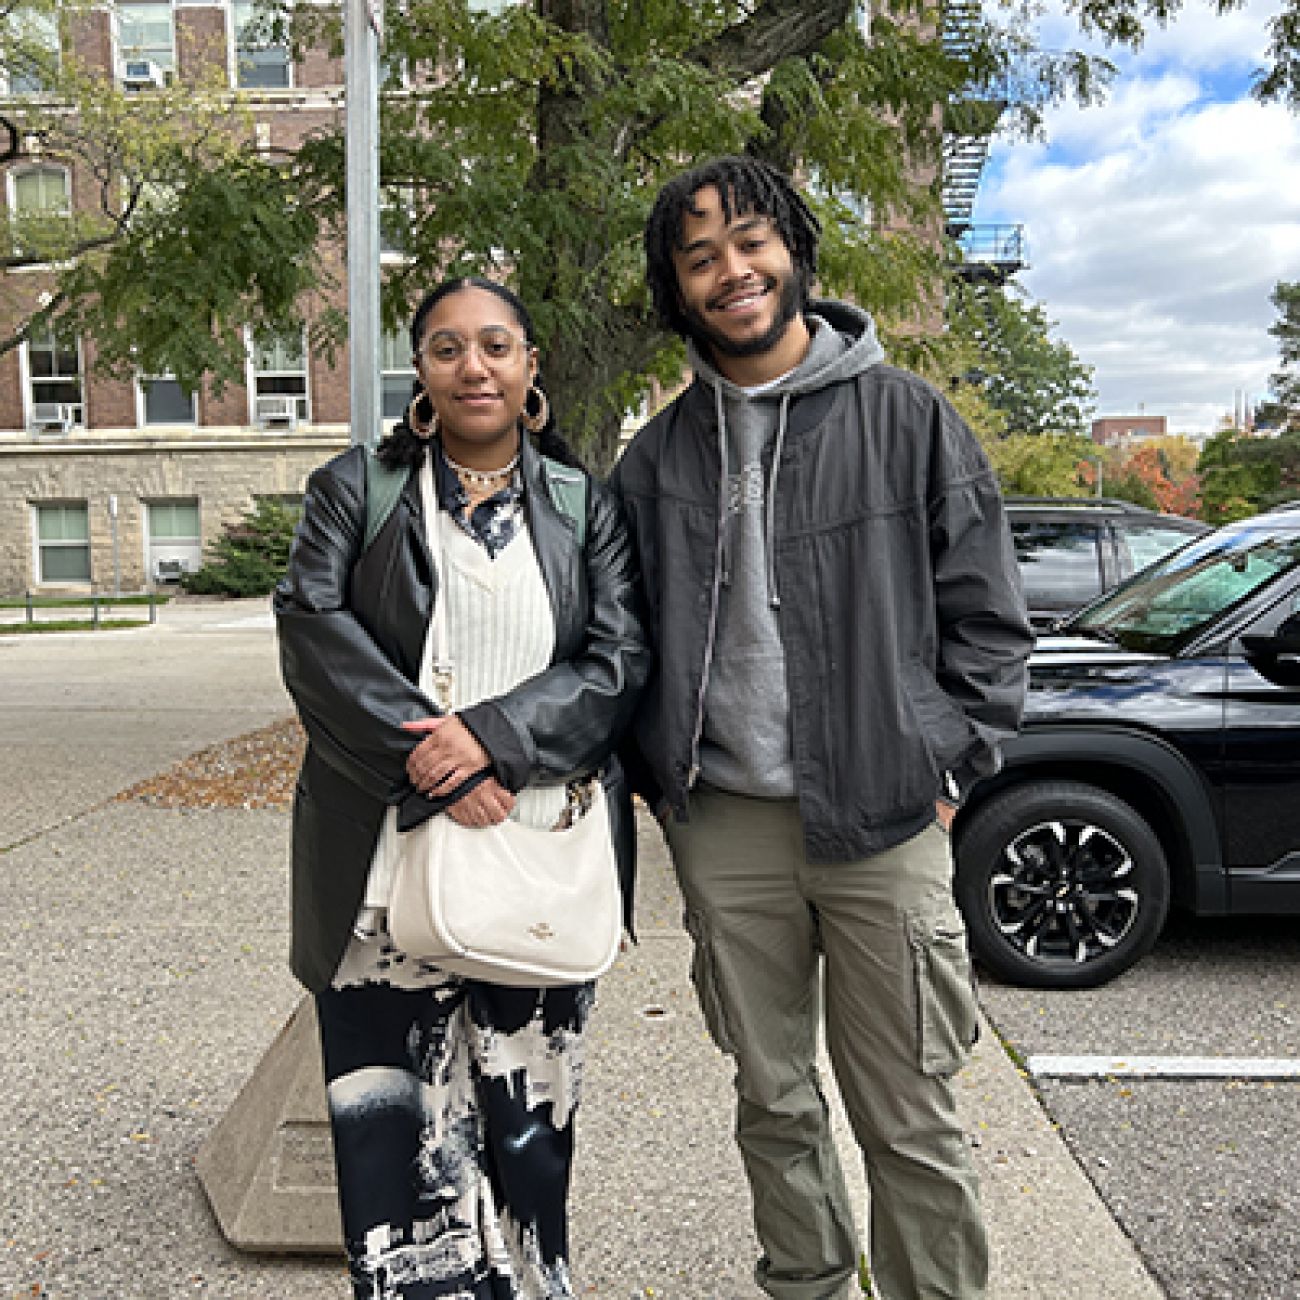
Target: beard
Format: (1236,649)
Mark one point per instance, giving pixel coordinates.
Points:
(710,340)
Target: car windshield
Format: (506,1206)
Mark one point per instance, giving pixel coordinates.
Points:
(1165,606)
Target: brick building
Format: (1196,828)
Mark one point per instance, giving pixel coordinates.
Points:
(109,484)
(1115,430)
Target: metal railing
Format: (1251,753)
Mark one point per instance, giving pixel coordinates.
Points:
(1000,244)
(26,609)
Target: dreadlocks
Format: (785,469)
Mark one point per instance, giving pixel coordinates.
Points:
(745,185)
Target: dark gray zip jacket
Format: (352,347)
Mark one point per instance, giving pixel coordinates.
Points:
(351,631)
(900,611)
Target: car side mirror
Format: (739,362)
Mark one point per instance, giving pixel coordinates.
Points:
(1283,640)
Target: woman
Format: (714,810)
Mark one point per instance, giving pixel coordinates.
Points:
(451,1100)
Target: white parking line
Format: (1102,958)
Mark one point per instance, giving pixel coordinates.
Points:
(1163,1067)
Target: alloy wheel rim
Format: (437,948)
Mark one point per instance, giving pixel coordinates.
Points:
(1063,892)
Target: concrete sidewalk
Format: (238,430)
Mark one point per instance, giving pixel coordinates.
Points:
(146,955)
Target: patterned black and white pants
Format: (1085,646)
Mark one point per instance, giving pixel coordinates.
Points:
(452,1110)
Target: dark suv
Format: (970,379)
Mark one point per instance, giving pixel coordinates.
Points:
(1073,549)
(1159,762)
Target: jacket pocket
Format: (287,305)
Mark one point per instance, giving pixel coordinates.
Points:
(704,976)
(944,728)
(947,1018)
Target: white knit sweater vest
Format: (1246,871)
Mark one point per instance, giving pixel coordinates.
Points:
(500,631)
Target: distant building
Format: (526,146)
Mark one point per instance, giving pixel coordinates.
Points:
(106,482)
(1117,430)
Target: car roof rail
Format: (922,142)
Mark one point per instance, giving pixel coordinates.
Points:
(1108,503)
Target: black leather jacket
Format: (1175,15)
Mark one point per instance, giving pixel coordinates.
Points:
(901,614)
(351,630)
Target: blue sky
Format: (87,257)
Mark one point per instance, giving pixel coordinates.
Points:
(1159,222)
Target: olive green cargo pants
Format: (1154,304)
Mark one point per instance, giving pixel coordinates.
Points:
(900,1018)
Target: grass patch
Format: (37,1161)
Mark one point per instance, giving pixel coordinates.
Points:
(79,602)
(71,625)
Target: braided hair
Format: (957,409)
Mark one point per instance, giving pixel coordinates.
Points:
(745,185)
(403,446)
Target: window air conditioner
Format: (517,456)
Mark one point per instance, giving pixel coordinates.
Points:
(168,570)
(139,73)
(277,412)
(52,417)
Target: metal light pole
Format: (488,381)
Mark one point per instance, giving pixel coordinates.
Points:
(268,1167)
(362,32)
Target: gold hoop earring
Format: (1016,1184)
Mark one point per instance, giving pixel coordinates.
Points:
(535,421)
(422,428)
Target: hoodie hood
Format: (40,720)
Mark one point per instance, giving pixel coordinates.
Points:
(844,344)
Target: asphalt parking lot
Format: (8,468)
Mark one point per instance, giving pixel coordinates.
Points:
(1203,1174)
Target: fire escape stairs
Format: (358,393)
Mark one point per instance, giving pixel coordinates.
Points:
(988,252)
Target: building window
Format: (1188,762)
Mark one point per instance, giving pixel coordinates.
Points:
(40,198)
(53,382)
(279,381)
(62,543)
(40,191)
(175,543)
(396,375)
(290,501)
(164,401)
(261,62)
(32,58)
(396,213)
(146,41)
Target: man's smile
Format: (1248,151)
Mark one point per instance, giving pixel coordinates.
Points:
(742,300)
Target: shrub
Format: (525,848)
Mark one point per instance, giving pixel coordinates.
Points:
(250,557)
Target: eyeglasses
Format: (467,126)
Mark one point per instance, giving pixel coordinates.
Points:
(497,345)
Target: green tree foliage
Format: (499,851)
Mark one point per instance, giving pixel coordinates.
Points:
(1036,381)
(1242,474)
(250,557)
(1283,408)
(535,159)
(1042,464)
(571,114)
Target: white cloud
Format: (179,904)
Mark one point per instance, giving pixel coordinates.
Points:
(1159,223)
(1197,39)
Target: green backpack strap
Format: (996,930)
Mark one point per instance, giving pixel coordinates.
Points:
(568,488)
(384,485)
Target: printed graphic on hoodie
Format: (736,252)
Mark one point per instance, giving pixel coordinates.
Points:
(745,489)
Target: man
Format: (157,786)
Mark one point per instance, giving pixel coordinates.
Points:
(842,642)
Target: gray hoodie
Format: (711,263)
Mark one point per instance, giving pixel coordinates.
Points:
(745,744)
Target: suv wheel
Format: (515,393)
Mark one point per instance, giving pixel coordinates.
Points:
(1062,885)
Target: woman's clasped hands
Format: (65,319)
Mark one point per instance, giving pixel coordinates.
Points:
(448,756)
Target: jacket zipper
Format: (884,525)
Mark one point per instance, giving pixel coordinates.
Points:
(693,770)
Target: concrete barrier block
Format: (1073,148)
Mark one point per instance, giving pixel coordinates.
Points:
(268,1166)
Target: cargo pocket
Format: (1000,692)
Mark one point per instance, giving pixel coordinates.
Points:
(704,976)
(947,1019)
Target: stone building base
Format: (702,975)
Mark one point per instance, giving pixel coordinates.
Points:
(117,480)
